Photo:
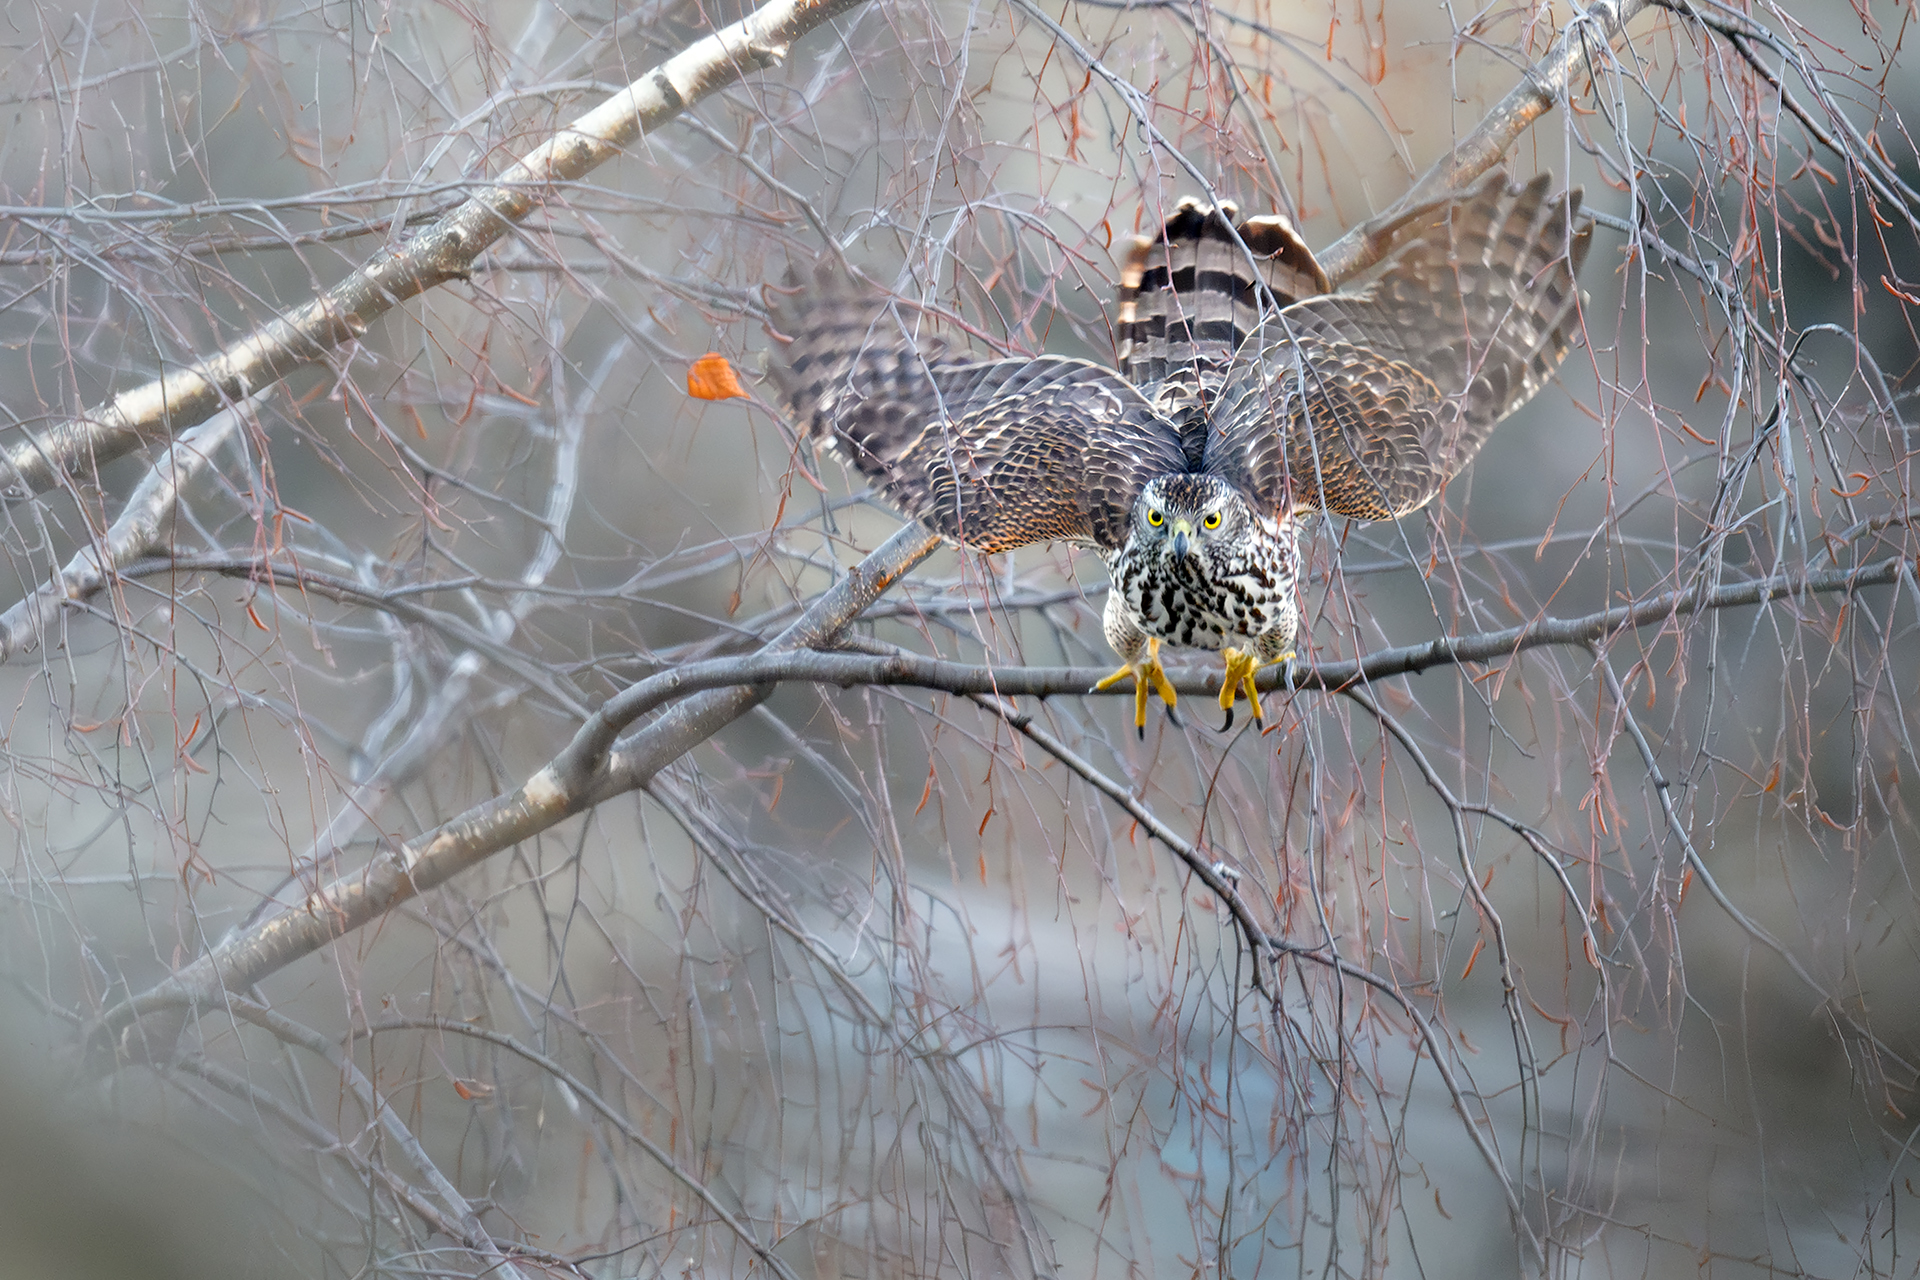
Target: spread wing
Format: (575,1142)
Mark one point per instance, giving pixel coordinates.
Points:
(992,454)
(1367,403)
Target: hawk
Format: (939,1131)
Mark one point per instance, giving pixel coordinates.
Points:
(1248,395)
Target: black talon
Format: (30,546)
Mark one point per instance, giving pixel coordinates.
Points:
(1173,717)
(1228,726)
(1141,729)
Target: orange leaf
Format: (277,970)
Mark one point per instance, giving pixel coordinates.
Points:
(712,378)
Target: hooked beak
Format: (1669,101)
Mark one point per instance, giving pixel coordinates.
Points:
(1182,538)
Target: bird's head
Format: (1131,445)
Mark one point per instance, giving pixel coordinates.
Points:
(1181,515)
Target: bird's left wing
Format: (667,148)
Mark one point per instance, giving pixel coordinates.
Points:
(1366,403)
(992,454)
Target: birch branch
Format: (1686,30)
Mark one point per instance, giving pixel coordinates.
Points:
(444,251)
(1545,83)
(599,765)
(543,801)
(590,748)
(805,664)
(135,533)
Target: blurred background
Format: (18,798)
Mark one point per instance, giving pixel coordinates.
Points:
(1605,950)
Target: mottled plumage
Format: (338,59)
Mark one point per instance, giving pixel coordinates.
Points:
(994,454)
(1230,581)
(1247,393)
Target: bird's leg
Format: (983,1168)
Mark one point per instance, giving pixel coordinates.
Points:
(1148,676)
(1241,666)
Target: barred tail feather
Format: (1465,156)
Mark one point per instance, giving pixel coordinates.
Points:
(1190,296)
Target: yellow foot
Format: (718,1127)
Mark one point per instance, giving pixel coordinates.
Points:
(1148,676)
(1241,666)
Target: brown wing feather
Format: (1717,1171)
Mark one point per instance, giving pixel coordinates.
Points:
(1357,443)
(992,454)
(1465,318)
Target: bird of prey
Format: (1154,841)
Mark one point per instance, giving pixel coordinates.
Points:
(1249,393)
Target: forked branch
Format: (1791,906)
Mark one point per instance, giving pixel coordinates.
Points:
(599,764)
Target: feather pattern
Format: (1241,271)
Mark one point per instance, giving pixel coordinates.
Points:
(1190,296)
(1246,392)
(992,454)
(1365,403)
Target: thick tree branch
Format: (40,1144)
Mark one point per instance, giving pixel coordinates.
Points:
(552,795)
(444,251)
(1544,84)
(598,765)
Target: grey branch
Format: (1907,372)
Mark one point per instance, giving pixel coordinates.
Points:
(613,1116)
(705,696)
(444,251)
(135,533)
(1544,84)
(346,903)
(459,1218)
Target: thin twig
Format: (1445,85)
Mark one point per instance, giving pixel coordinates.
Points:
(135,533)
(612,1115)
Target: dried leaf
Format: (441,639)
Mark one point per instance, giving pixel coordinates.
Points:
(712,378)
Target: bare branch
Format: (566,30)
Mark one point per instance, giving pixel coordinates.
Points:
(465,1223)
(442,252)
(595,767)
(612,1115)
(134,533)
(1544,84)
(585,775)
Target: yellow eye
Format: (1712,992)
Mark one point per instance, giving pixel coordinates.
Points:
(1154,518)
(1212,521)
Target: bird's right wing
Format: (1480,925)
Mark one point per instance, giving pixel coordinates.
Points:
(992,454)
